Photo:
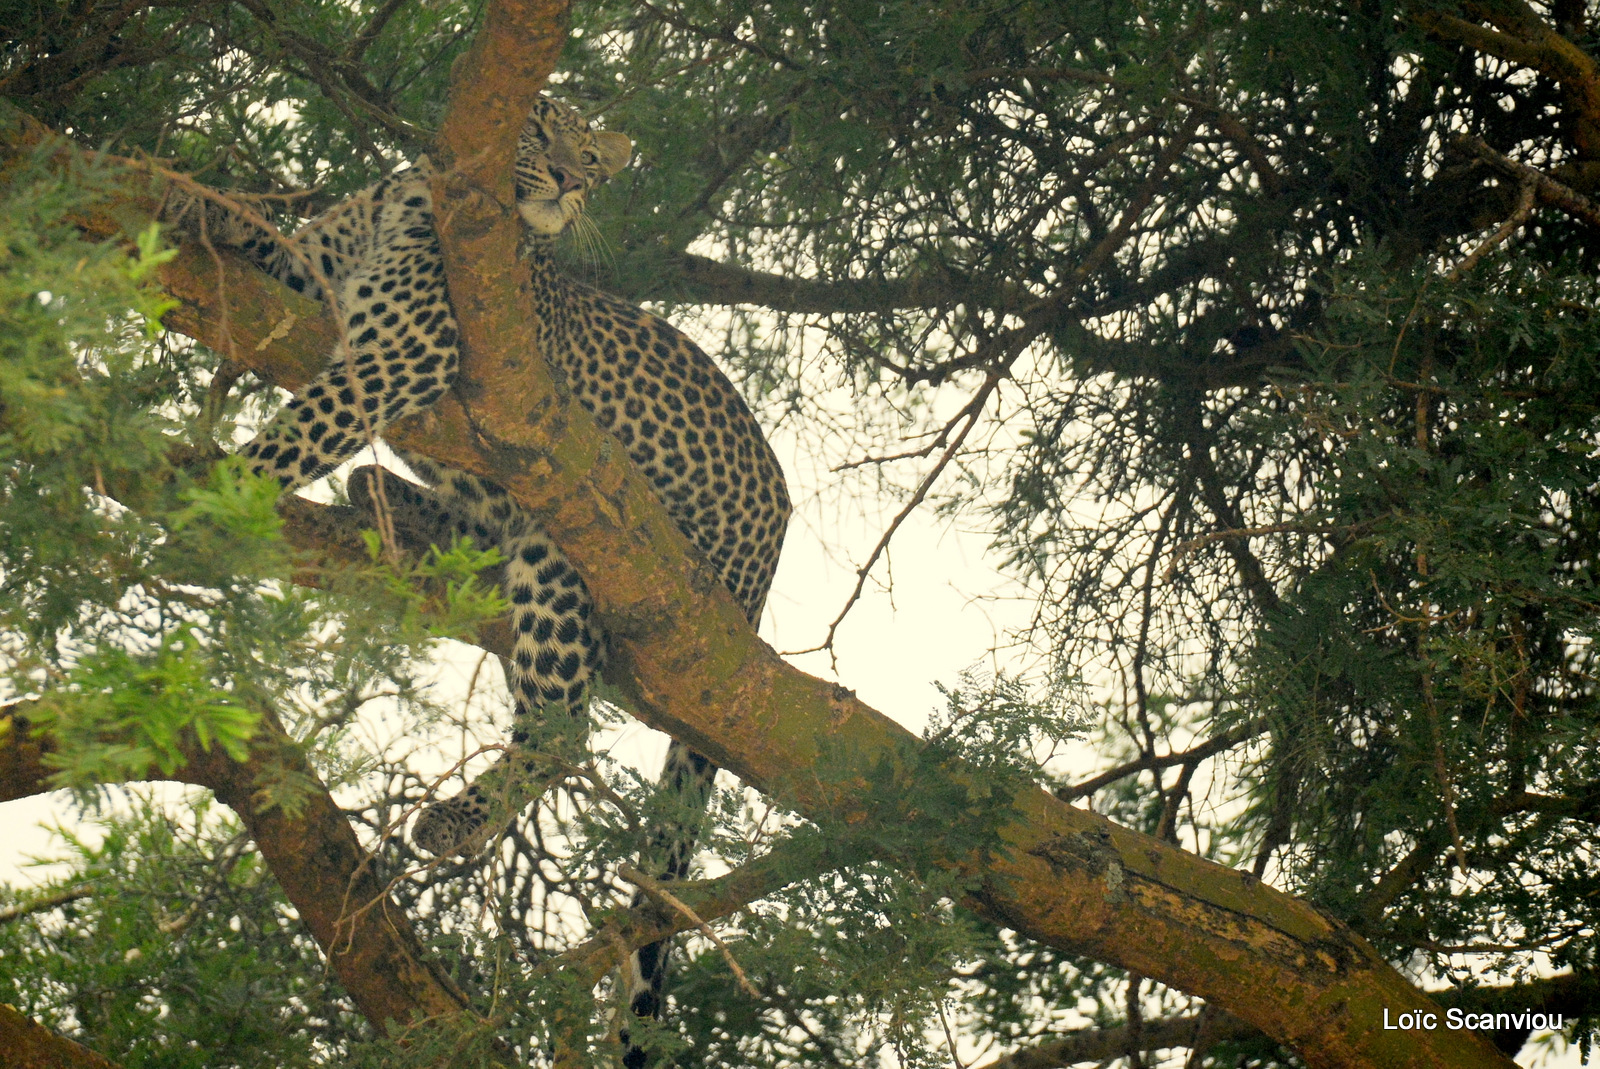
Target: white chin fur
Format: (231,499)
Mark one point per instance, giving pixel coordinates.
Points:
(548,217)
(543,216)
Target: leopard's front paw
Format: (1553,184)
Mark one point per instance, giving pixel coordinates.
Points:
(186,212)
(458,825)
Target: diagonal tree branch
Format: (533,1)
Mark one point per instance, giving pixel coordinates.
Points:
(1522,37)
(1226,740)
(29,1045)
(321,867)
(315,856)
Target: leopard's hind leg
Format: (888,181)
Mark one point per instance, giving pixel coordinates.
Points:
(557,650)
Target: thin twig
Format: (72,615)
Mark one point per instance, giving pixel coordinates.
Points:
(950,1038)
(1214,745)
(1441,769)
(675,19)
(1185,549)
(973,411)
(1525,203)
(362,41)
(381,512)
(653,888)
(1227,124)
(914,454)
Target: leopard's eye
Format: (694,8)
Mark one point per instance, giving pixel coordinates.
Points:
(590,159)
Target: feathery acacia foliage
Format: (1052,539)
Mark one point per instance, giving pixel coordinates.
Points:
(1260,336)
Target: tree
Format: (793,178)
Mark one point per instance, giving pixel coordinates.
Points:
(1297,299)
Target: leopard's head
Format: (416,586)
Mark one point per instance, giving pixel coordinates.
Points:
(559,160)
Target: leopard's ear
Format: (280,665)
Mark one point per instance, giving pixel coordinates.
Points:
(614,150)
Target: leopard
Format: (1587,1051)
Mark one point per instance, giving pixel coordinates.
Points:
(375,260)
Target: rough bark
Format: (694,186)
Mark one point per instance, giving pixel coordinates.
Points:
(23,769)
(333,882)
(315,856)
(25,1044)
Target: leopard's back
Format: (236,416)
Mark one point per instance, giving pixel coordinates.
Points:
(680,420)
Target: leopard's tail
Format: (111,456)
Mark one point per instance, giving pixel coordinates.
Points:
(687,778)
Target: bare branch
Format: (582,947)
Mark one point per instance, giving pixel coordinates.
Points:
(1195,754)
(1525,203)
(655,889)
(700,279)
(1551,191)
(971,413)
(362,41)
(1184,549)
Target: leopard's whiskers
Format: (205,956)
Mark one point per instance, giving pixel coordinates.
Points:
(596,251)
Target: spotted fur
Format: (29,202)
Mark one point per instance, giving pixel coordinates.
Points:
(679,419)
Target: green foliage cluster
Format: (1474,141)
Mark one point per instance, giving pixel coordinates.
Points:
(81,390)
(145,609)
(1429,678)
(179,951)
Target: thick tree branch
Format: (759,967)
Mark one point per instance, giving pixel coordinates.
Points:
(24,768)
(702,280)
(322,868)
(1522,37)
(25,1044)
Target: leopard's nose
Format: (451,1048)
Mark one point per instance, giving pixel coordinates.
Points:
(566,181)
